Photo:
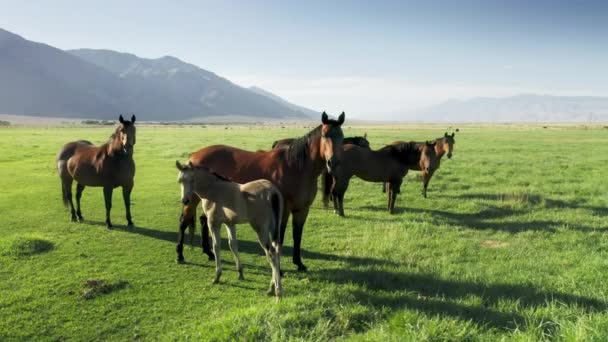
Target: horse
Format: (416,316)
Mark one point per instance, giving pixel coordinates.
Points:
(360,141)
(258,203)
(109,166)
(444,146)
(388,164)
(294,170)
(326,178)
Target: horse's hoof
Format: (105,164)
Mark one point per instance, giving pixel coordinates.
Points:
(211,257)
(74,219)
(302,268)
(130,224)
(281,273)
(80,219)
(270,292)
(215,281)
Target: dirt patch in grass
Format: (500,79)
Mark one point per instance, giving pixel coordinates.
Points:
(92,288)
(24,246)
(493,244)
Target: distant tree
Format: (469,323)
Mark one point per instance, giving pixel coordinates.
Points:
(4,123)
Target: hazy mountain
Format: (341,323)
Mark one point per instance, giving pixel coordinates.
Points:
(306,111)
(38,79)
(519,108)
(194,92)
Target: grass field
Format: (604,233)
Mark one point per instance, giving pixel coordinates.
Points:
(511,244)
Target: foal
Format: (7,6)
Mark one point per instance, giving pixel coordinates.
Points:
(259,202)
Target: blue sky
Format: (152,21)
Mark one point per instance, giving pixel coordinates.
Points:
(370,58)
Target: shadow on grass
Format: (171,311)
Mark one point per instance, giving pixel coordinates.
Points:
(251,247)
(432,291)
(537,199)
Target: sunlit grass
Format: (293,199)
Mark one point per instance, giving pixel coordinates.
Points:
(511,244)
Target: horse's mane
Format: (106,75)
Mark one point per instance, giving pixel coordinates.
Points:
(402,150)
(298,148)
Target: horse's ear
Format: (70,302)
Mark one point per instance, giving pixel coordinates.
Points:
(341,118)
(120,119)
(453,134)
(179,165)
(133,118)
(445,134)
(190,164)
(324,118)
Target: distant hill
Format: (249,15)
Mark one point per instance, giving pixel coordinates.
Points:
(306,111)
(519,108)
(45,81)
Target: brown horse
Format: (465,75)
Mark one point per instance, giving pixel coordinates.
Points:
(294,170)
(109,166)
(388,164)
(444,146)
(326,178)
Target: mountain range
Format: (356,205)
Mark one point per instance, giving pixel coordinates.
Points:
(518,108)
(38,79)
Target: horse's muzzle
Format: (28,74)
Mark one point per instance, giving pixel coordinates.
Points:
(449,156)
(185,201)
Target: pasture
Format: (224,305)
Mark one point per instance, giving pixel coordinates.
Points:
(511,244)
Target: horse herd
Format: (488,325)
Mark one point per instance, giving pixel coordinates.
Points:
(263,187)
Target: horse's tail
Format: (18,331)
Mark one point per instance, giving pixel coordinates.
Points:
(276,201)
(62,170)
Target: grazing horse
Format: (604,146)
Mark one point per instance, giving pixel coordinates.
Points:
(445,145)
(258,202)
(326,178)
(388,164)
(294,170)
(109,166)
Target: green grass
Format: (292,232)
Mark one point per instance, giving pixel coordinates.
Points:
(510,245)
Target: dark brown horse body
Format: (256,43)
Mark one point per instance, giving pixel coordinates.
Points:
(443,146)
(388,164)
(294,170)
(327,180)
(109,166)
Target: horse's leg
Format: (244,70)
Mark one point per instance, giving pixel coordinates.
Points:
(107,196)
(383,187)
(327,180)
(205,244)
(66,182)
(393,191)
(298,221)
(187,218)
(215,235)
(234,247)
(426,179)
(79,190)
(126,196)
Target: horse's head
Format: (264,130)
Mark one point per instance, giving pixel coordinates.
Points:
(428,157)
(331,141)
(448,143)
(125,133)
(185,180)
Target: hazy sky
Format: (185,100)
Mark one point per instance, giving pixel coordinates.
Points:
(368,58)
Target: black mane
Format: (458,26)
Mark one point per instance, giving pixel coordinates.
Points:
(297,150)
